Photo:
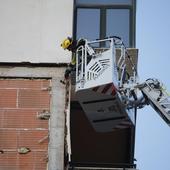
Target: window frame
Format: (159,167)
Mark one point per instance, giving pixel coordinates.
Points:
(103,8)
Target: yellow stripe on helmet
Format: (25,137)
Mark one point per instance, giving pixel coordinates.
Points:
(66,43)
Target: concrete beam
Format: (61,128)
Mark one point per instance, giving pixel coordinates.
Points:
(57,126)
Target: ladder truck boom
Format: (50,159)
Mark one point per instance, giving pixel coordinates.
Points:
(157,97)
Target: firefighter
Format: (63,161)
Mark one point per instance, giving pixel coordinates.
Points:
(71,45)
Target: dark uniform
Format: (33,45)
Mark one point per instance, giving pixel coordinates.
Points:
(72,45)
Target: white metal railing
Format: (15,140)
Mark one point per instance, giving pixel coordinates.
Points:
(85,54)
(93,50)
(121,64)
(80,65)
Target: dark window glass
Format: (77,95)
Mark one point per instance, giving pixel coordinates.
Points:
(117,23)
(105,2)
(88,23)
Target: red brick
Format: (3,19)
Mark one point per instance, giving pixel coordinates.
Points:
(40,160)
(8,161)
(32,138)
(21,118)
(8,98)
(1,118)
(26,161)
(8,139)
(46,83)
(23,83)
(34,160)
(33,99)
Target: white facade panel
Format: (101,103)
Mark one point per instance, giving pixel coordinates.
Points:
(32,30)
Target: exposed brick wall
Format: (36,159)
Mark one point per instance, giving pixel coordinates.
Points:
(21,101)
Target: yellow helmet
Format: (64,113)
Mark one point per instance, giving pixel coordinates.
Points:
(66,43)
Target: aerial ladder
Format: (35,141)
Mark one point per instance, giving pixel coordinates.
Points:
(108,93)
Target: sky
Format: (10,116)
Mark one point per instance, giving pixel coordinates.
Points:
(152,148)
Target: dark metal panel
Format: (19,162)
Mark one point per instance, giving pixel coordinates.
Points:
(102,23)
(92,147)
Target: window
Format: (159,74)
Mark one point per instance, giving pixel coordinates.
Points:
(97,19)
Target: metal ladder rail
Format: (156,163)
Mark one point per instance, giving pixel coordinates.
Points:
(158,99)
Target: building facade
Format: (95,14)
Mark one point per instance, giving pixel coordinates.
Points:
(32,66)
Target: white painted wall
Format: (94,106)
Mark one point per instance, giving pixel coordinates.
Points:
(32,30)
